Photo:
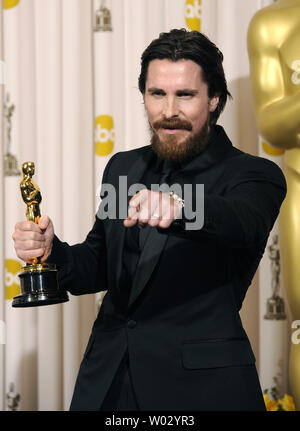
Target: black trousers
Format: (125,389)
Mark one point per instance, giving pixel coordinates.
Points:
(120,395)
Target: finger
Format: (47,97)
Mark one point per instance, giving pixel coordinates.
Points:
(128,222)
(165,223)
(43,258)
(167,206)
(146,208)
(133,211)
(151,211)
(44,222)
(27,226)
(20,235)
(167,213)
(153,222)
(155,215)
(144,215)
(29,245)
(28,255)
(138,198)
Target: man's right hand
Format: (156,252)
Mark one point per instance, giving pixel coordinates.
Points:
(34,240)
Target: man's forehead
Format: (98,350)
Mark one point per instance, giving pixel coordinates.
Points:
(183,70)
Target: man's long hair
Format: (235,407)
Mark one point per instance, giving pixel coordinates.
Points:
(190,45)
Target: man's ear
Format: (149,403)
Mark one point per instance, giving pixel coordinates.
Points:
(213,103)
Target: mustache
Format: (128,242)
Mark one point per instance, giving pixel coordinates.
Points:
(172,123)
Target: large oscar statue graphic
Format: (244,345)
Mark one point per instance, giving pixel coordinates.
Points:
(39,284)
(273,45)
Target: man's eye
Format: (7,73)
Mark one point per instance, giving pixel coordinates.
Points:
(157,93)
(185,94)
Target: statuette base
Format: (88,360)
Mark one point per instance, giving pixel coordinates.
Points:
(39,286)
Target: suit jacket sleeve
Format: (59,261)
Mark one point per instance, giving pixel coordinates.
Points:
(243,214)
(82,267)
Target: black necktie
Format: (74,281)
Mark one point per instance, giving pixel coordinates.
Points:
(165,176)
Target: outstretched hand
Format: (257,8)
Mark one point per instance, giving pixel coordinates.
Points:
(156,209)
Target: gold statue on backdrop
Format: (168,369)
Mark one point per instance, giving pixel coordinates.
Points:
(275,304)
(274,53)
(10,161)
(103,18)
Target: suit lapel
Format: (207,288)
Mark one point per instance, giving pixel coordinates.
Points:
(154,242)
(150,255)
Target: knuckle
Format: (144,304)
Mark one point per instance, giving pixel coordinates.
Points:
(34,253)
(40,252)
(153,222)
(33,236)
(21,254)
(27,225)
(32,244)
(20,225)
(164,224)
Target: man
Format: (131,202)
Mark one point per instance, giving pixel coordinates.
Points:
(168,335)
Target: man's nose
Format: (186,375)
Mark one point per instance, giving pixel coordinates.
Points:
(171,108)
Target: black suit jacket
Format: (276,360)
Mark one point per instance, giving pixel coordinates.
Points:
(181,325)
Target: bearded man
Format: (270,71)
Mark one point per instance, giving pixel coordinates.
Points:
(168,335)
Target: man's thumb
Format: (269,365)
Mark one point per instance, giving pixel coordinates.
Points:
(44,222)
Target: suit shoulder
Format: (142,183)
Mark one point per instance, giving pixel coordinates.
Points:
(135,152)
(257,167)
(122,161)
(261,163)
(131,155)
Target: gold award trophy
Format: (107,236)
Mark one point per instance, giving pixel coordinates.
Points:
(274,55)
(39,283)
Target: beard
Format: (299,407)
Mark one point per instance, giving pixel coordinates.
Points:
(168,148)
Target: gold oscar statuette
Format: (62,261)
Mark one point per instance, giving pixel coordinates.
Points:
(274,55)
(39,282)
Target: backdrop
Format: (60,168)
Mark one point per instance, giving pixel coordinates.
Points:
(69,100)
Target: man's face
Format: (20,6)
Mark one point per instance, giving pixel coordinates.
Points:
(178,107)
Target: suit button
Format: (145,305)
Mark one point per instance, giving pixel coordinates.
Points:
(131,324)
